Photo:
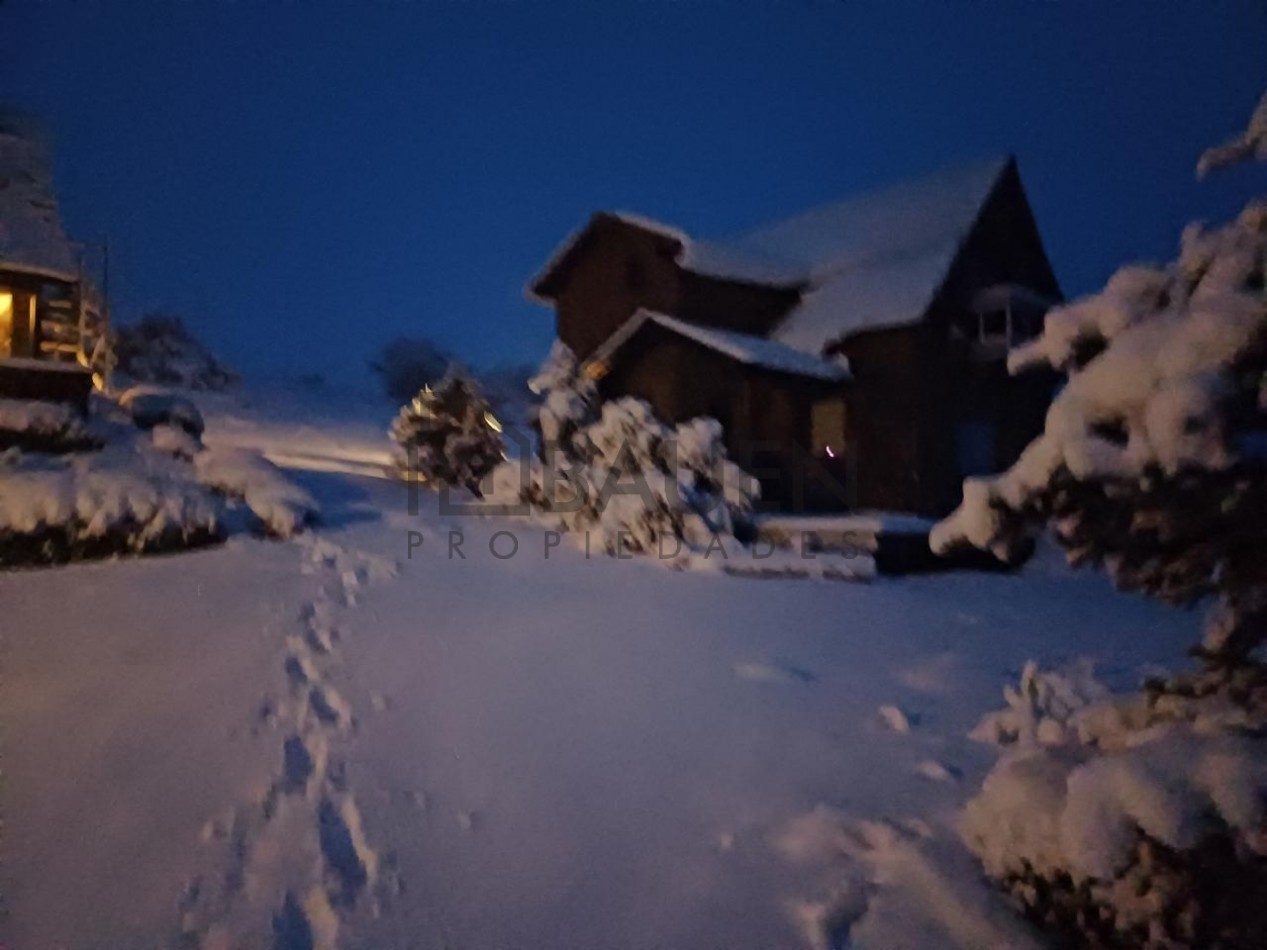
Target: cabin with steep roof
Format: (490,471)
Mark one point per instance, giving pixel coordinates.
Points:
(855,354)
(52,321)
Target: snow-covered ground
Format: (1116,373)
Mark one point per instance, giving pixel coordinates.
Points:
(362,738)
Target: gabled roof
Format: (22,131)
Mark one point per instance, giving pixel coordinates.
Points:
(702,257)
(31,235)
(878,260)
(871,261)
(741,347)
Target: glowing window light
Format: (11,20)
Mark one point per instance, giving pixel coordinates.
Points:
(6,322)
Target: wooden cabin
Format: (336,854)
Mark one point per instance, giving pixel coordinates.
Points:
(855,354)
(51,321)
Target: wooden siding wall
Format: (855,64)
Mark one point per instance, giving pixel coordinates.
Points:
(958,386)
(624,267)
(765,416)
(883,405)
(732,305)
(599,294)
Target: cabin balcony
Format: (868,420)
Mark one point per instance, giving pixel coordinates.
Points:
(45,381)
(40,344)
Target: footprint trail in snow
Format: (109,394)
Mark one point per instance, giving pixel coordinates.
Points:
(290,864)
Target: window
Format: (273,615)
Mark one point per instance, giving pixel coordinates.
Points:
(827,427)
(17,323)
(1007,314)
(994,325)
(6,322)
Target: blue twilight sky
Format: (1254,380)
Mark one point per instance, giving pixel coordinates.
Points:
(306,180)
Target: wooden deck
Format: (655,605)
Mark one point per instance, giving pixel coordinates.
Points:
(45,381)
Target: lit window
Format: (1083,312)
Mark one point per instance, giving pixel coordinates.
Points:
(827,427)
(6,322)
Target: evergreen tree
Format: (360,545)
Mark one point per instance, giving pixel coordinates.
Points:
(449,434)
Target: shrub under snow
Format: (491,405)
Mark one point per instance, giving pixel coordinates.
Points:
(617,471)
(133,493)
(44,427)
(280,505)
(122,499)
(149,407)
(1137,821)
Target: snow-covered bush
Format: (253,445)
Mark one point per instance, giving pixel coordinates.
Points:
(281,506)
(448,434)
(122,499)
(45,427)
(134,492)
(160,349)
(569,399)
(1127,821)
(1142,821)
(150,407)
(618,471)
(405,366)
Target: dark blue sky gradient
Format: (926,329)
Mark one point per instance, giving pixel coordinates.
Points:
(305,181)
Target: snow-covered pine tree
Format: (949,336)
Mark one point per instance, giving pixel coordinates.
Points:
(1153,461)
(615,469)
(569,400)
(1140,821)
(448,434)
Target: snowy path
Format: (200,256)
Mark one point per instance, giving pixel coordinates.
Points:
(478,753)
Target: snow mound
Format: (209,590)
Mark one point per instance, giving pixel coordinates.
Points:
(1111,817)
(150,406)
(282,506)
(122,499)
(44,426)
(900,888)
(1043,707)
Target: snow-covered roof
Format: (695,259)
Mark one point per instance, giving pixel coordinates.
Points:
(877,260)
(872,261)
(710,258)
(741,347)
(31,235)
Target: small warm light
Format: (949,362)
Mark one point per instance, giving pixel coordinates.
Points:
(830,453)
(6,321)
(596,369)
(491,421)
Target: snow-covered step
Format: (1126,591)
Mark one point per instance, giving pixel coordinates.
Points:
(898,542)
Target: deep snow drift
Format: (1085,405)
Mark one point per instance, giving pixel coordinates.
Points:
(340,741)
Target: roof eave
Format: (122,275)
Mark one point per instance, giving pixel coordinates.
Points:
(34,270)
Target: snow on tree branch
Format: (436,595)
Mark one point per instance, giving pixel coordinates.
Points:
(1250,145)
(1152,458)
